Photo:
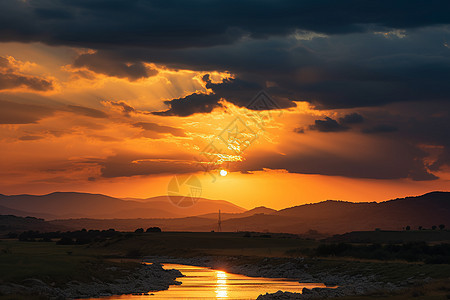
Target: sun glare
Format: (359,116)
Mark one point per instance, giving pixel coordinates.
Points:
(223,173)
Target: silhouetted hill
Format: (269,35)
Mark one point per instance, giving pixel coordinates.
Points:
(20,213)
(9,223)
(251,212)
(339,216)
(332,217)
(78,205)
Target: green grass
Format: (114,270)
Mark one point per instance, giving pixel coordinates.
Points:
(50,262)
(57,263)
(206,243)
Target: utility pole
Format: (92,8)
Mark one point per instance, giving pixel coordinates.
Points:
(219,223)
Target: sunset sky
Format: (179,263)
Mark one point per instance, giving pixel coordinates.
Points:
(119,96)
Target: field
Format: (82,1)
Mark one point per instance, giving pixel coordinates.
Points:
(53,263)
(57,264)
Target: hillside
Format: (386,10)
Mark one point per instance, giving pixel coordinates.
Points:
(331,217)
(64,205)
(16,224)
(251,212)
(20,213)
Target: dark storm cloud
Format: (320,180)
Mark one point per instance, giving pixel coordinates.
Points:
(410,133)
(174,23)
(382,128)
(353,118)
(257,41)
(327,125)
(160,129)
(351,66)
(338,71)
(239,92)
(112,67)
(191,104)
(390,160)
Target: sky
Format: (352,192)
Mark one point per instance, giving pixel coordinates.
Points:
(299,101)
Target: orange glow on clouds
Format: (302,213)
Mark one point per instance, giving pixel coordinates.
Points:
(82,127)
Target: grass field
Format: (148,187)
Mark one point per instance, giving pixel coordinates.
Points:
(207,243)
(57,264)
(53,263)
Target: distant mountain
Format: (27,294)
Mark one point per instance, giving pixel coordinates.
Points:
(65,205)
(331,217)
(9,211)
(16,224)
(340,217)
(251,212)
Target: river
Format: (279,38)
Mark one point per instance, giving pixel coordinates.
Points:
(207,284)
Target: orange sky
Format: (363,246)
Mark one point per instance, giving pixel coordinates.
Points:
(93,132)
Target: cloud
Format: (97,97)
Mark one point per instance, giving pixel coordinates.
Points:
(86,111)
(382,160)
(201,24)
(11,78)
(133,164)
(11,81)
(353,118)
(327,125)
(124,107)
(25,113)
(191,104)
(299,130)
(157,131)
(113,67)
(21,113)
(239,92)
(328,53)
(30,137)
(382,128)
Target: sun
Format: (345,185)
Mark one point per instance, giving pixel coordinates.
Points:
(223,173)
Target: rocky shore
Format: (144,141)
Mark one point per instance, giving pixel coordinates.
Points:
(140,281)
(294,268)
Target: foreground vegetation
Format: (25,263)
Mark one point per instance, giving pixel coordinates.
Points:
(105,255)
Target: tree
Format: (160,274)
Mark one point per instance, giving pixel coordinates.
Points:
(153,229)
(433,227)
(408,228)
(139,230)
(441,227)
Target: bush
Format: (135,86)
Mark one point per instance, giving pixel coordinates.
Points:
(153,229)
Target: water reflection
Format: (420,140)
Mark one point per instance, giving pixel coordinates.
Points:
(221,286)
(208,284)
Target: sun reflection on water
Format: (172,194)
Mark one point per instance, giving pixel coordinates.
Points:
(221,285)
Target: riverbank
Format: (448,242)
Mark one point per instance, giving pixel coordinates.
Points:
(139,280)
(354,280)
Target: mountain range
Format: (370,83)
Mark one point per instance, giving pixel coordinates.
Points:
(91,211)
(65,205)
